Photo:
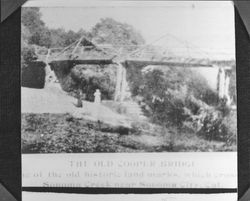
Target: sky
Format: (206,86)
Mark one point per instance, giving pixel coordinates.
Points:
(199,28)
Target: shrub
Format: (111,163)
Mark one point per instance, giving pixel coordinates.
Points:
(28,55)
(164,100)
(32,71)
(230,127)
(33,75)
(199,87)
(223,107)
(210,122)
(90,78)
(170,95)
(215,126)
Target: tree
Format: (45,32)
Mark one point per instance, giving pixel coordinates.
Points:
(39,33)
(163,99)
(88,78)
(31,18)
(62,38)
(117,34)
(169,94)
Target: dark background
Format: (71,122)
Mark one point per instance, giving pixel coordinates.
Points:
(10,115)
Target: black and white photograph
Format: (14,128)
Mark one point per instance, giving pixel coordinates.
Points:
(129,77)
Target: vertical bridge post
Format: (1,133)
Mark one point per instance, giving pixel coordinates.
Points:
(49,73)
(224,83)
(121,85)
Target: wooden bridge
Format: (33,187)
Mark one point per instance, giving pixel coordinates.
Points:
(83,51)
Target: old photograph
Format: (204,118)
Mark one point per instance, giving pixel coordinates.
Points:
(129,76)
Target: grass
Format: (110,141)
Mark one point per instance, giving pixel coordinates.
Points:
(62,133)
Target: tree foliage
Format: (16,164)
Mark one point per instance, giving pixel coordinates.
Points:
(109,31)
(89,78)
(62,38)
(182,99)
(39,33)
(163,99)
(34,31)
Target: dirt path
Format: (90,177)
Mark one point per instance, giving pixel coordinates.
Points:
(54,100)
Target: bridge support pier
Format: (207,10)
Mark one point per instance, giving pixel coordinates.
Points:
(121,83)
(224,84)
(49,74)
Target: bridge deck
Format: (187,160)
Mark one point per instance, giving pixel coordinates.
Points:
(166,63)
(129,62)
(84,61)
